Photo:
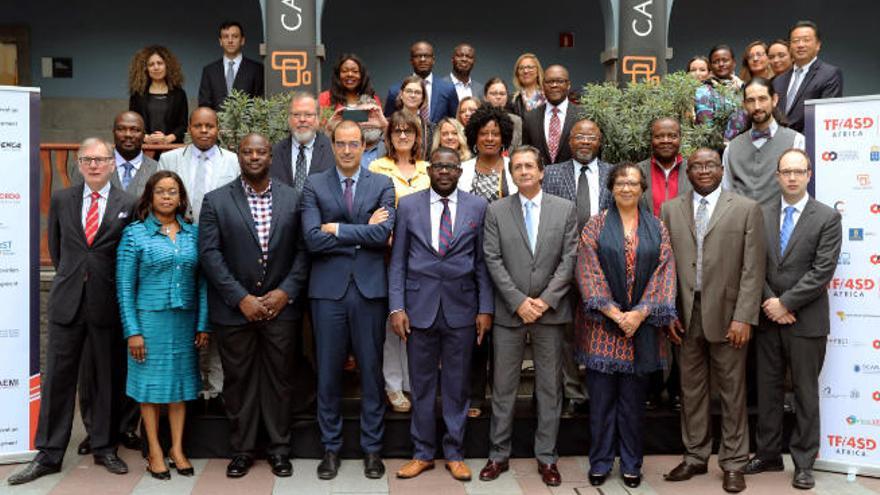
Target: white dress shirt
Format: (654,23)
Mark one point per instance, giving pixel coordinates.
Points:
(135,162)
(712,198)
(800,142)
(548,114)
(462,88)
(294,153)
(102,202)
(536,211)
(592,180)
(800,80)
(236,63)
(798,209)
(437,212)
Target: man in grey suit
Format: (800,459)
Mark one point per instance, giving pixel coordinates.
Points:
(803,243)
(530,245)
(463,58)
(306,151)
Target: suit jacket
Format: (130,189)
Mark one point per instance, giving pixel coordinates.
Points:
(533,132)
(476,88)
(444,100)
(823,80)
(212,88)
(283,160)
(138,182)
(357,252)
(232,259)
(734,261)
(179,161)
(560,180)
(422,282)
(799,277)
(176,116)
(684,185)
(517,273)
(83,271)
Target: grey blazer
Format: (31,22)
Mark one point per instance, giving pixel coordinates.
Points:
(138,182)
(684,185)
(516,272)
(799,277)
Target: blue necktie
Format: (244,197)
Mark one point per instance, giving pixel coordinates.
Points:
(127,175)
(787,228)
(444,234)
(348,195)
(530,227)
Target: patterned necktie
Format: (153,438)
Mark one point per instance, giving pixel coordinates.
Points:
(230,76)
(787,228)
(700,222)
(127,175)
(554,134)
(756,135)
(530,225)
(92,219)
(582,202)
(299,175)
(348,194)
(792,91)
(425,112)
(444,233)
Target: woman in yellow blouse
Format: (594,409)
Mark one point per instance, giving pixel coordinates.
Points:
(404,144)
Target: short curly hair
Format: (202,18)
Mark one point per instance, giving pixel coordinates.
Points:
(484,115)
(138,77)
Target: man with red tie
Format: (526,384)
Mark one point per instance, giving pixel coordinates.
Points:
(548,125)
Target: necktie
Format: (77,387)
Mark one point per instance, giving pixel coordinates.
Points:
(554,131)
(230,76)
(530,225)
(348,194)
(92,219)
(787,228)
(756,135)
(582,202)
(425,112)
(700,222)
(127,175)
(792,91)
(299,174)
(444,233)
(199,188)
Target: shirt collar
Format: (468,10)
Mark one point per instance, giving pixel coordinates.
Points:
(235,61)
(807,66)
(536,201)
(136,161)
(563,107)
(354,177)
(435,198)
(428,80)
(799,206)
(712,197)
(252,192)
(104,191)
(457,81)
(309,145)
(592,166)
(678,161)
(210,152)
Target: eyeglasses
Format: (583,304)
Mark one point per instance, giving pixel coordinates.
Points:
(413,92)
(303,116)
(403,132)
(344,145)
(623,184)
(555,82)
(526,68)
(440,167)
(703,167)
(166,192)
(586,138)
(793,172)
(100,160)
(496,93)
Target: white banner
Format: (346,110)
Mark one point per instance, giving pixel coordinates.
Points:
(845,139)
(19,272)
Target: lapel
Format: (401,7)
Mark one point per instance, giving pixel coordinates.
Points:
(114,179)
(278,205)
(461,211)
(687,207)
(808,78)
(435,96)
(335,187)
(76,197)
(360,193)
(285,158)
(571,116)
(318,152)
(720,210)
(568,182)
(604,193)
(239,76)
(520,221)
(544,221)
(240,200)
(805,217)
(541,111)
(772,224)
(782,91)
(423,229)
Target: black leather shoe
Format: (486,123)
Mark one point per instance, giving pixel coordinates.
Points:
(329,466)
(240,466)
(189,471)
(84,447)
(130,440)
(281,465)
(685,471)
(757,465)
(573,407)
(803,479)
(373,466)
(597,479)
(632,480)
(160,475)
(734,482)
(31,472)
(112,462)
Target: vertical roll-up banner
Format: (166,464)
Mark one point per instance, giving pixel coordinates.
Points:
(641,44)
(843,137)
(291,46)
(19,271)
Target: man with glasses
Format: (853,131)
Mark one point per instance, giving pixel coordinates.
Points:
(441,97)
(306,151)
(548,126)
(718,242)
(794,324)
(347,216)
(85,225)
(439,294)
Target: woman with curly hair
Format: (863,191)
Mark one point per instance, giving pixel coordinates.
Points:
(155,83)
(348,82)
(450,133)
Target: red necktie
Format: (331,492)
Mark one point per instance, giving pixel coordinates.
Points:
(92,219)
(555,131)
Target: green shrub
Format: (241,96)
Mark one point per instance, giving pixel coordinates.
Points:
(242,114)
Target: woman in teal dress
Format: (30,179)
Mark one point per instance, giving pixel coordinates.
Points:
(163,302)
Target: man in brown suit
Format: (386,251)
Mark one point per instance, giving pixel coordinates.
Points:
(719,245)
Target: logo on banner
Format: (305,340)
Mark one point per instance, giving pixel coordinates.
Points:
(844,258)
(9,333)
(875,259)
(876,395)
(843,156)
(8,383)
(868,369)
(6,248)
(844,342)
(10,146)
(876,344)
(875,153)
(857,234)
(874,208)
(840,206)
(850,287)
(854,421)
(863,182)
(640,68)
(851,445)
(10,197)
(293,67)
(848,127)
(828,393)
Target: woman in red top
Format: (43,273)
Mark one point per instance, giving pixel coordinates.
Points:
(348,82)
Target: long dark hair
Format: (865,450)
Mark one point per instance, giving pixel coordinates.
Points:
(337,90)
(145,203)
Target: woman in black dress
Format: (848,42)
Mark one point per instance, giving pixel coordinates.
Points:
(155,82)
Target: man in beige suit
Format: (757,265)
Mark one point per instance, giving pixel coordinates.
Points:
(719,245)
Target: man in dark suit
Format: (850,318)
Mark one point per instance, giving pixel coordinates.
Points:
(439,292)
(548,125)
(250,246)
(463,58)
(803,243)
(581,180)
(347,216)
(85,225)
(442,98)
(306,151)
(809,78)
(233,71)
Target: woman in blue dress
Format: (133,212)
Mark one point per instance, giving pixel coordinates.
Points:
(163,302)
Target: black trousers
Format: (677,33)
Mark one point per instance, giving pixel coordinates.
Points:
(257,382)
(129,412)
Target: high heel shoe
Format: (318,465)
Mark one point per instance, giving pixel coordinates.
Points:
(159,475)
(181,471)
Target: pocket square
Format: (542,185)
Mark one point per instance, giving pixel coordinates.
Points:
(123,214)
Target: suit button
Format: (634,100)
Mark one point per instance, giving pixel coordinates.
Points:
(260,260)
(259,284)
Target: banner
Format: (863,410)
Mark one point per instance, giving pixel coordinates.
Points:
(641,44)
(19,272)
(291,46)
(843,137)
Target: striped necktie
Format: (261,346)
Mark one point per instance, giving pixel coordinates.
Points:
(92,219)
(444,234)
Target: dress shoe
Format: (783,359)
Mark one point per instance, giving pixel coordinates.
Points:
(597,479)
(414,468)
(374,468)
(803,479)
(632,480)
(399,402)
(573,407)
(757,465)
(329,466)
(239,466)
(112,462)
(31,472)
(84,447)
(281,465)
(492,470)
(550,474)
(459,470)
(130,440)
(183,471)
(685,471)
(734,482)
(159,475)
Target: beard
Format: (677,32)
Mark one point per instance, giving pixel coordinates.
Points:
(304,137)
(760,118)
(372,135)
(584,157)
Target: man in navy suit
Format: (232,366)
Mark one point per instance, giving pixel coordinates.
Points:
(233,71)
(442,98)
(348,290)
(809,78)
(439,293)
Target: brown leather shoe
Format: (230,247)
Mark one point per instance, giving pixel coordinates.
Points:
(549,474)
(734,481)
(459,470)
(414,468)
(492,470)
(685,471)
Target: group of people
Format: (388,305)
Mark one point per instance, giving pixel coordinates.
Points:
(418,255)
